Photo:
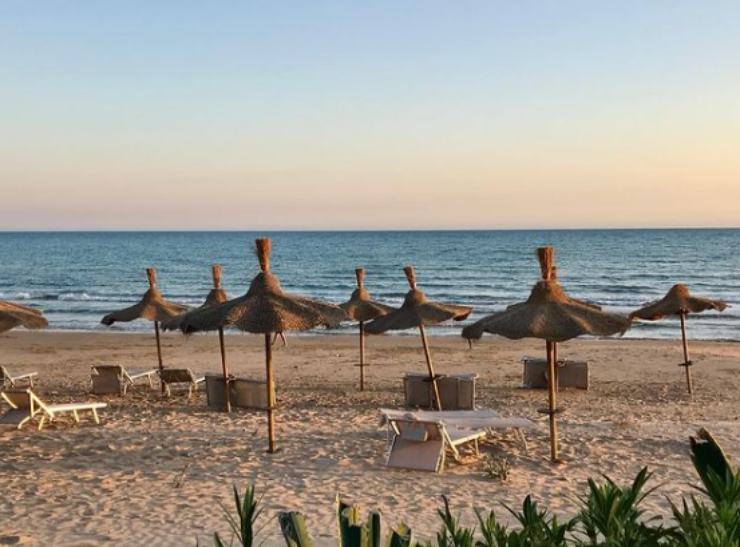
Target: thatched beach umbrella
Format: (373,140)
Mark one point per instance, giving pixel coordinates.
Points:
(265,309)
(14,315)
(215,296)
(153,307)
(549,314)
(361,308)
(679,302)
(418,311)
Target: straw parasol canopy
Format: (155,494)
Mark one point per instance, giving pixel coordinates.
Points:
(678,301)
(215,296)
(15,315)
(152,307)
(265,309)
(361,308)
(551,315)
(418,311)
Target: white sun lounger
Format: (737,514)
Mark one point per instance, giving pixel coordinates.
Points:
(116,379)
(422,445)
(8,380)
(482,419)
(26,406)
(180,376)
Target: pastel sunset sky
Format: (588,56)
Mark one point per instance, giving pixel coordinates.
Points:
(363,115)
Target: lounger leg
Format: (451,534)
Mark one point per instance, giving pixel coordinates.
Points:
(151,384)
(30,381)
(477,450)
(190,391)
(41,422)
(95,415)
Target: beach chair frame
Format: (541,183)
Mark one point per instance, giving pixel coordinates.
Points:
(436,431)
(180,376)
(48,412)
(124,378)
(8,380)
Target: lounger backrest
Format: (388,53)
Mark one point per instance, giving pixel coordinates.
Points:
(18,398)
(417,445)
(177,375)
(107,379)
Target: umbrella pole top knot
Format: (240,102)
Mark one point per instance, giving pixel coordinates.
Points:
(263,246)
(151,275)
(546,256)
(216,272)
(360,275)
(410,276)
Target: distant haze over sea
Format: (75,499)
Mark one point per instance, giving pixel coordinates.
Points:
(77,277)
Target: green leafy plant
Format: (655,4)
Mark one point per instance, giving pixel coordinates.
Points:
(243,524)
(293,527)
(700,525)
(452,534)
(353,531)
(611,514)
(497,468)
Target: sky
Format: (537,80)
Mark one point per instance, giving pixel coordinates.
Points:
(368,115)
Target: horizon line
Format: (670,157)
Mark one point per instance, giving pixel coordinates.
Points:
(345,230)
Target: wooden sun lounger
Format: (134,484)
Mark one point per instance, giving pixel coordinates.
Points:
(26,406)
(116,379)
(422,445)
(180,376)
(8,380)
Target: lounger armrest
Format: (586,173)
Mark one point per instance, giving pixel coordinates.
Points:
(201,379)
(25,375)
(142,374)
(69,407)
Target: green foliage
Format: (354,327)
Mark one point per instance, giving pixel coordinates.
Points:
(700,525)
(538,527)
(611,515)
(353,531)
(242,526)
(294,529)
(452,534)
(497,468)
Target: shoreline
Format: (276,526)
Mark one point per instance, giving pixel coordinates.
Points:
(349,333)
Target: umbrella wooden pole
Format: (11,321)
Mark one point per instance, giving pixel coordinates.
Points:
(430,368)
(555,358)
(270,396)
(552,396)
(159,354)
(362,356)
(686,361)
(227,390)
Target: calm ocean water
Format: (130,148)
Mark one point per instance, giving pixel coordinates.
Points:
(77,277)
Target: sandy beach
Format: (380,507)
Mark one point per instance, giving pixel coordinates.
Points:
(156,470)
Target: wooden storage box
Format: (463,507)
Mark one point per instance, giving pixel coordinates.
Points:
(245,393)
(456,391)
(570,373)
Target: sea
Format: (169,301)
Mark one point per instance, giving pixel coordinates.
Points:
(77,277)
